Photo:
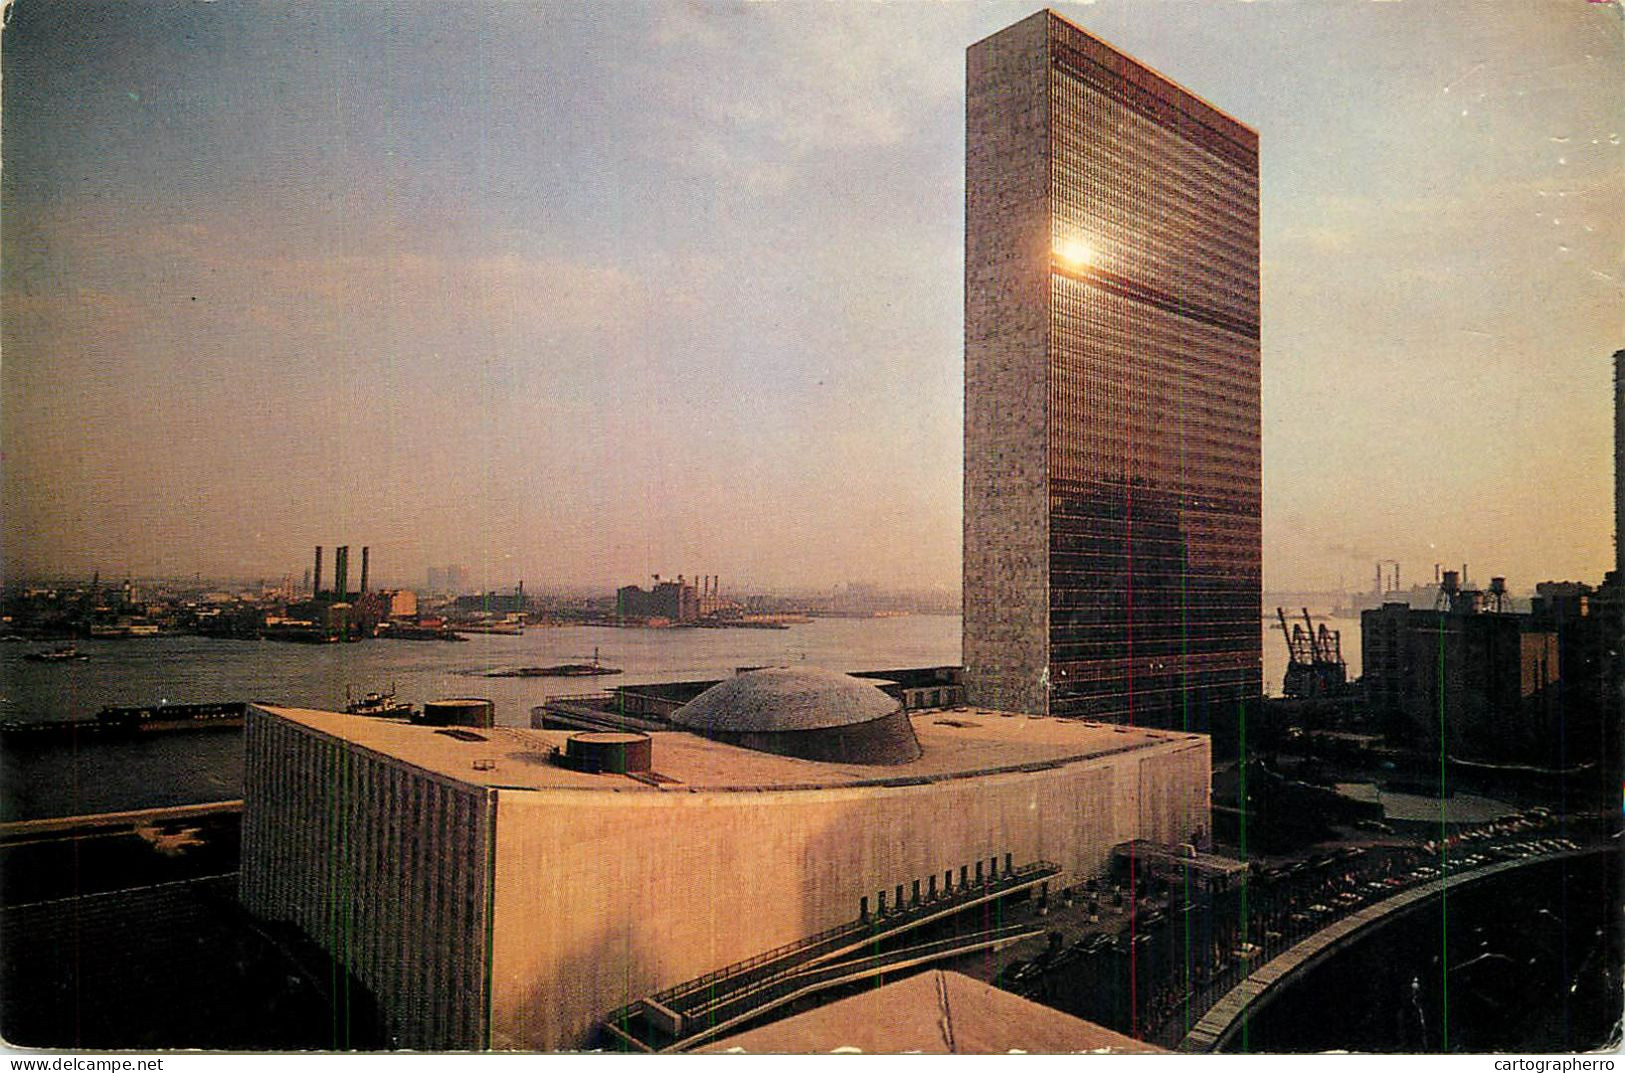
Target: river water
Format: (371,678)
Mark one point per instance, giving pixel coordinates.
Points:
(173,769)
(187,669)
(183,768)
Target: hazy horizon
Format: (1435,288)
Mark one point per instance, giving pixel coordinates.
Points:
(580,294)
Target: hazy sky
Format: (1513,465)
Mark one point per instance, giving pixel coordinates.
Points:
(582,292)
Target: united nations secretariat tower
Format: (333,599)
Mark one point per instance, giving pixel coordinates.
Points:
(1112,543)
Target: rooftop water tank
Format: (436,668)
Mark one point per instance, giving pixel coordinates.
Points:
(459,712)
(608,752)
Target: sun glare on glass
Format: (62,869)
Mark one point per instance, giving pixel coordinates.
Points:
(1075,253)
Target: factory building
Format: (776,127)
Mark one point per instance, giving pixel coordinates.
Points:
(508,888)
(1112,490)
(341,591)
(339,612)
(403,603)
(493,603)
(1586,623)
(1480,681)
(669,601)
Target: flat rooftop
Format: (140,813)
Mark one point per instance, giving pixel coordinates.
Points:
(955,744)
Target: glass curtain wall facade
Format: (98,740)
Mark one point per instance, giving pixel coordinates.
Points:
(1148,352)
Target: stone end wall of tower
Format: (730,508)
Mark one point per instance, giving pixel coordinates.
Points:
(1007,251)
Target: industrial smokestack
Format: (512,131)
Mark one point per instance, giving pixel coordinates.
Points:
(341,572)
(1396,577)
(1377,591)
(364,557)
(316,586)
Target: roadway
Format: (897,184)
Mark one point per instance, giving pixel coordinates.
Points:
(1220,1023)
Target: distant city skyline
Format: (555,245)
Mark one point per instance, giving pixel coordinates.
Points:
(564,294)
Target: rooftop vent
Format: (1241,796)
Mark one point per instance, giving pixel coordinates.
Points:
(608,752)
(458,711)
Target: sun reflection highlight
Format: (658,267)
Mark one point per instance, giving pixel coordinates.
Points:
(1075,253)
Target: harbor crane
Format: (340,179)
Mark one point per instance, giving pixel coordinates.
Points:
(1315,666)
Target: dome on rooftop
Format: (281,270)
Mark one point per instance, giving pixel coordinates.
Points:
(807,712)
(777,699)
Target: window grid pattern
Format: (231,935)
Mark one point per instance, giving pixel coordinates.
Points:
(1154,444)
(380,864)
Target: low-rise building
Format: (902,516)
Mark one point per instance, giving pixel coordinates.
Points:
(403,603)
(1479,683)
(507,888)
(668,601)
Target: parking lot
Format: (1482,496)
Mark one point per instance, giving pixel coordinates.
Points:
(1150,960)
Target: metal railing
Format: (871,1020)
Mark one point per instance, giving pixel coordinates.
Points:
(877,926)
(790,958)
(741,970)
(725,1007)
(738,1007)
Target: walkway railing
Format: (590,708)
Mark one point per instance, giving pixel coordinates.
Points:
(723,1017)
(758,979)
(1231,996)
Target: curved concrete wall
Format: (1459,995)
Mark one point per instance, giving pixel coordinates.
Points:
(488,915)
(603,897)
